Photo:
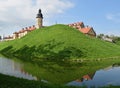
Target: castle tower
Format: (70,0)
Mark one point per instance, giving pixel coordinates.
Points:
(39,19)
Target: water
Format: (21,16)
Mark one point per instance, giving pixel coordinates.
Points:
(13,68)
(103,77)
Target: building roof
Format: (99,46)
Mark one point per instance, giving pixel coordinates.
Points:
(30,28)
(9,37)
(15,33)
(79,23)
(76,24)
(85,30)
(22,31)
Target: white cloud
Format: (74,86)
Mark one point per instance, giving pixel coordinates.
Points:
(14,13)
(114,17)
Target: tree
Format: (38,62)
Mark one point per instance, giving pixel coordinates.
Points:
(107,36)
(100,36)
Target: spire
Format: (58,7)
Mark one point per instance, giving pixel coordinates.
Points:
(39,15)
(39,11)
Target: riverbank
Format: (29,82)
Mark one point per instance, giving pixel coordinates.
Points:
(12,82)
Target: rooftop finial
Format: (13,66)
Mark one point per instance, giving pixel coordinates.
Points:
(39,11)
(39,15)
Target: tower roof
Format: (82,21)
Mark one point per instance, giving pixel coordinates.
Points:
(39,15)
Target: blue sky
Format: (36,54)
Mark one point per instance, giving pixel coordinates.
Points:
(102,15)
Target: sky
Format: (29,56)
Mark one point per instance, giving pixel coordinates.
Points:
(102,15)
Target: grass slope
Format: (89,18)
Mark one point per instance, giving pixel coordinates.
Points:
(59,42)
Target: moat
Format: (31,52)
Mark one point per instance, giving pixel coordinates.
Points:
(105,76)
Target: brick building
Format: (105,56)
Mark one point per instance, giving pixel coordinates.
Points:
(84,29)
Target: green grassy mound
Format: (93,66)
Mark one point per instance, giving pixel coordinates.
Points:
(59,42)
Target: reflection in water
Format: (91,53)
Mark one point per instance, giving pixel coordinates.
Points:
(12,68)
(103,77)
(86,77)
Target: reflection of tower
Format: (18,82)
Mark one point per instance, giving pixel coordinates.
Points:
(39,19)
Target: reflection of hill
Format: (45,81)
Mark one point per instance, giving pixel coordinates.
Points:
(110,67)
(90,76)
(107,68)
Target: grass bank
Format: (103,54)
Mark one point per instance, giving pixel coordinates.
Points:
(12,82)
